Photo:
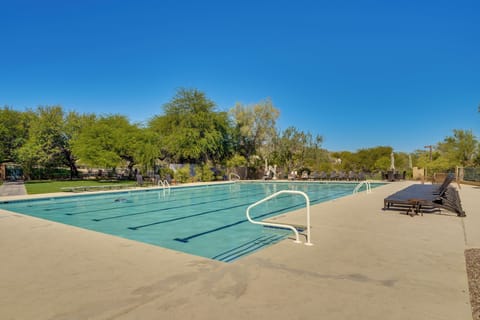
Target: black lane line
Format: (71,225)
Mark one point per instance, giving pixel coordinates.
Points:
(84,201)
(209,212)
(187,217)
(252,249)
(237,251)
(193,215)
(168,208)
(107,198)
(136,205)
(73,199)
(237,248)
(186,239)
(286,209)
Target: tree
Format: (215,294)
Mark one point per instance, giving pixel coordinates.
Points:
(460,149)
(14,128)
(374,159)
(48,143)
(255,129)
(296,149)
(107,142)
(73,126)
(191,130)
(147,151)
(315,155)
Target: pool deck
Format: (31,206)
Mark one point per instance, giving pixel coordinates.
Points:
(366,263)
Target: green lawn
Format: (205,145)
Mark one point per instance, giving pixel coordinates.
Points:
(36,187)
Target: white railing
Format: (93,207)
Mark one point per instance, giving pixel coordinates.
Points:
(367,186)
(164,184)
(307,200)
(233,175)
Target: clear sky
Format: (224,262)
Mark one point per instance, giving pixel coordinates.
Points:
(359,73)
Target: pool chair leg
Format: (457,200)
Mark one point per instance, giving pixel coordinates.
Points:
(414,209)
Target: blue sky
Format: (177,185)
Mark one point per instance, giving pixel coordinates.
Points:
(359,73)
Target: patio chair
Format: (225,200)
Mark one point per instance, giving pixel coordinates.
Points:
(342,175)
(323,175)
(292,175)
(305,175)
(315,175)
(422,198)
(333,175)
(352,176)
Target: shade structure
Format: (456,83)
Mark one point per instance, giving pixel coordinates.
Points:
(392,162)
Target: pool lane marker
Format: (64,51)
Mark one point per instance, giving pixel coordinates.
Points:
(138,205)
(283,210)
(167,208)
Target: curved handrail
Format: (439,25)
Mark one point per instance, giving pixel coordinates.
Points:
(367,186)
(164,184)
(232,174)
(307,200)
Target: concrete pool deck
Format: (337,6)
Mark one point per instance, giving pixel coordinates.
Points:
(366,263)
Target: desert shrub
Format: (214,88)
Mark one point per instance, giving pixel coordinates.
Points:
(182,175)
(204,173)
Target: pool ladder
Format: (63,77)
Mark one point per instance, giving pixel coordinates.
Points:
(233,175)
(367,186)
(286,226)
(164,184)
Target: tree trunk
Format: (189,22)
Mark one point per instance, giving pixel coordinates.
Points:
(71,164)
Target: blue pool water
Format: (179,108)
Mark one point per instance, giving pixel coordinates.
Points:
(207,221)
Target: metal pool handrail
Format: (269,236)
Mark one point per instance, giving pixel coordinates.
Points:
(234,175)
(164,184)
(367,185)
(307,200)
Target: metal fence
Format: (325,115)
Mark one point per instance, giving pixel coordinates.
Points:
(471,174)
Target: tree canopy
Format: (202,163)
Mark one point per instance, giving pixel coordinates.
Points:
(13,132)
(107,142)
(255,128)
(190,129)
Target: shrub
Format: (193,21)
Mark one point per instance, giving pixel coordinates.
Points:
(236,161)
(163,172)
(204,173)
(182,175)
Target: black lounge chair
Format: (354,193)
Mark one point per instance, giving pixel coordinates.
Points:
(315,175)
(342,176)
(352,176)
(333,175)
(426,198)
(323,175)
(361,176)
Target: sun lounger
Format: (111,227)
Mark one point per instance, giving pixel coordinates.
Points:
(426,198)
(304,175)
(333,175)
(315,175)
(352,176)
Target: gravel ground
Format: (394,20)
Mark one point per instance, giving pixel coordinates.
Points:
(472,258)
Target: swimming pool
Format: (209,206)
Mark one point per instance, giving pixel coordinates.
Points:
(207,221)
